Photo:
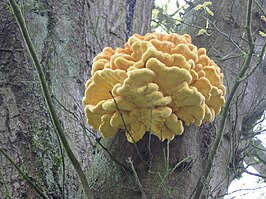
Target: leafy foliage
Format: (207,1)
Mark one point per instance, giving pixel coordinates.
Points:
(167,17)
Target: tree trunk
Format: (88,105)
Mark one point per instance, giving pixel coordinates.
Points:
(58,34)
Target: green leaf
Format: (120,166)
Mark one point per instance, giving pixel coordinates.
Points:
(209,11)
(198,7)
(202,32)
(207,3)
(263,34)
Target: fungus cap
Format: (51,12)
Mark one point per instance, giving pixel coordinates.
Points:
(156,83)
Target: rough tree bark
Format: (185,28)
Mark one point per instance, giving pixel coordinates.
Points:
(26,131)
(67,35)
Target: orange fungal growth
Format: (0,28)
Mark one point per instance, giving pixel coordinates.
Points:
(157,83)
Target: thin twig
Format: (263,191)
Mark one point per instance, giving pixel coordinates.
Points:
(187,159)
(261,9)
(167,162)
(85,129)
(63,166)
(227,36)
(24,175)
(255,174)
(248,189)
(122,118)
(137,178)
(126,129)
(149,144)
(258,64)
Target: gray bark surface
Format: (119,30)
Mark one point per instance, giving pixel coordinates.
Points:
(20,108)
(26,131)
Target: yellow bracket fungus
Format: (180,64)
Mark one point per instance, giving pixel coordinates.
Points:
(156,83)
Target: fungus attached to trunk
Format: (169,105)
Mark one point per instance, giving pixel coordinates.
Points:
(156,83)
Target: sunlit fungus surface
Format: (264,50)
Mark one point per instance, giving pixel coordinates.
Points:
(157,83)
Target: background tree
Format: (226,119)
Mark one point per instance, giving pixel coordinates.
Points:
(66,41)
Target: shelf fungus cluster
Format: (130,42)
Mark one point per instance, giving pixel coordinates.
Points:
(157,83)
